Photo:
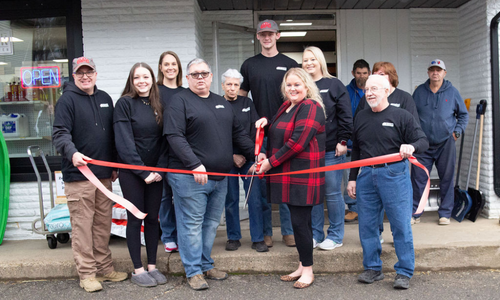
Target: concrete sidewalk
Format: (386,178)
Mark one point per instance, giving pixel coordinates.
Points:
(456,246)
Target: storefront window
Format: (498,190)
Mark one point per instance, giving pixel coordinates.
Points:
(33,69)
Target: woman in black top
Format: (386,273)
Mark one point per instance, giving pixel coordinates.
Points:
(169,83)
(137,122)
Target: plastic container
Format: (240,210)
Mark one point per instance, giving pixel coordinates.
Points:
(14,125)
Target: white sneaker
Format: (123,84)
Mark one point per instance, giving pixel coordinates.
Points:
(315,244)
(328,244)
(381,239)
(171,247)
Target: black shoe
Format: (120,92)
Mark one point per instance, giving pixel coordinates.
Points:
(369,276)
(260,246)
(232,245)
(401,282)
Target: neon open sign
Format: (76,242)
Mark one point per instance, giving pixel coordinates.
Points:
(40,77)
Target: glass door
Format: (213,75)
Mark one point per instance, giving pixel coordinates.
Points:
(232,45)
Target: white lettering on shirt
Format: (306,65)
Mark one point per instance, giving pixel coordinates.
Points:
(219,106)
(396,104)
(104,105)
(323,91)
(387,124)
(246,109)
(281,68)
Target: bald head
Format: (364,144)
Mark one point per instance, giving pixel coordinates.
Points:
(376,92)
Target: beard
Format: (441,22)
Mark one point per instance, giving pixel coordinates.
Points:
(360,82)
(372,105)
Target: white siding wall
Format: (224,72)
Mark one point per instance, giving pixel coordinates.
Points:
(117,34)
(375,35)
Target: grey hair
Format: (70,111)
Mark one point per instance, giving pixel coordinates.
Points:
(231,73)
(197,61)
(384,81)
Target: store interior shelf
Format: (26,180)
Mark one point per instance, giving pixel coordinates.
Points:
(16,155)
(29,138)
(21,102)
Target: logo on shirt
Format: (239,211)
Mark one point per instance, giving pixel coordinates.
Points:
(396,104)
(388,124)
(219,106)
(104,105)
(281,68)
(246,109)
(323,91)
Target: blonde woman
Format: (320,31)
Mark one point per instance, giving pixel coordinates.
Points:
(338,131)
(296,141)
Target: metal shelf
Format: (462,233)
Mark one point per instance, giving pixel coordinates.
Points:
(22,102)
(29,138)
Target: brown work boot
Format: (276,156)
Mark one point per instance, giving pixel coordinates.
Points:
(289,240)
(90,285)
(215,274)
(113,276)
(197,282)
(269,240)
(351,216)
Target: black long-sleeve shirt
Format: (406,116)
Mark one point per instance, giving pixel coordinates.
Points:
(139,139)
(398,98)
(202,131)
(381,133)
(338,111)
(245,112)
(84,123)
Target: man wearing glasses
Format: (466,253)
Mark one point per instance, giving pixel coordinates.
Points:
(384,129)
(201,128)
(83,128)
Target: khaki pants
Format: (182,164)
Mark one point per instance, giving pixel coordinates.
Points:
(90,214)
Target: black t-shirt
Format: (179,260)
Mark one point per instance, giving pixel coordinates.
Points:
(202,131)
(245,112)
(398,98)
(166,94)
(263,77)
(338,111)
(381,133)
(137,135)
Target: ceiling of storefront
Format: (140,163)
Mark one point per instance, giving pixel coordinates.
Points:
(259,5)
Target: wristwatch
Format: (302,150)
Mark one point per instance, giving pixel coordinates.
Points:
(343,142)
(457,134)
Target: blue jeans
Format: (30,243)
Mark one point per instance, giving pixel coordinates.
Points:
(198,209)
(285,219)
(444,158)
(387,188)
(255,206)
(351,203)
(167,214)
(334,203)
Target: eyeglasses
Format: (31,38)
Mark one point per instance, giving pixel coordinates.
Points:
(89,74)
(197,75)
(373,89)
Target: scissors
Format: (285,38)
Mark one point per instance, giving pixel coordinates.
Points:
(259,139)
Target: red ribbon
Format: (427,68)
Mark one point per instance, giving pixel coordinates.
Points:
(349,165)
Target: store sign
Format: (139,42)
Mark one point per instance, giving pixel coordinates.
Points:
(40,77)
(6,47)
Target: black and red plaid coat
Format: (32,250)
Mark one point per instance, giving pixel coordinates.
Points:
(296,141)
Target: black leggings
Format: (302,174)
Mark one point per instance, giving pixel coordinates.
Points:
(147,198)
(302,231)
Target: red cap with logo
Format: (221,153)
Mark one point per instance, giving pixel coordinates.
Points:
(267,25)
(83,61)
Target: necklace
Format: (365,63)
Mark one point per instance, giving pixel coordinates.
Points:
(145,102)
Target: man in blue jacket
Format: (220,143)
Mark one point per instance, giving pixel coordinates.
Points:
(443,117)
(360,71)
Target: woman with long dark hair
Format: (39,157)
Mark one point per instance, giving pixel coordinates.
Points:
(169,83)
(138,126)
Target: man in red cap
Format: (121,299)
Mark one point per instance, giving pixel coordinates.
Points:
(83,128)
(263,74)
